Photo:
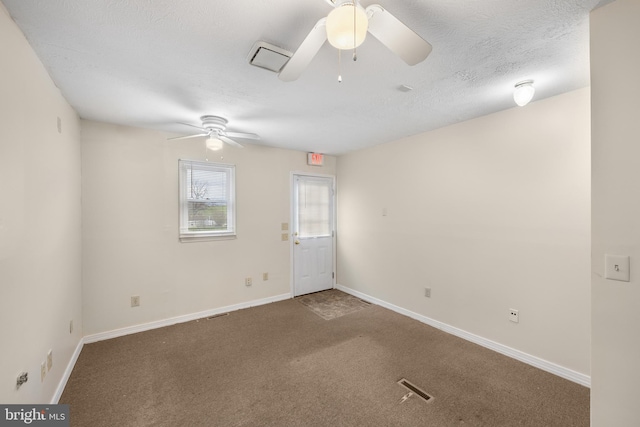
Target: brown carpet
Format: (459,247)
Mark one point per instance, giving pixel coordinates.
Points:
(282,365)
(332,303)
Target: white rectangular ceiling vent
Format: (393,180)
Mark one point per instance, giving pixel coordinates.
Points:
(268,56)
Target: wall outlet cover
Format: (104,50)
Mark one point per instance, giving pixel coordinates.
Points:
(22,378)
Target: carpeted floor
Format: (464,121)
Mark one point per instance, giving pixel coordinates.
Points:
(282,365)
(332,303)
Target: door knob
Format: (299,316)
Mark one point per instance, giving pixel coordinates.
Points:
(297,242)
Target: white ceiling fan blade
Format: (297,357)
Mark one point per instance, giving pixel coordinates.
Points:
(305,53)
(230,141)
(189,136)
(240,135)
(194,126)
(396,36)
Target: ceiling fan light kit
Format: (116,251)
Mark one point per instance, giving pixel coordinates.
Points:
(347,26)
(214,128)
(214,144)
(338,27)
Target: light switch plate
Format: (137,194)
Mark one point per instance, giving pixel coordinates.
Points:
(616,267)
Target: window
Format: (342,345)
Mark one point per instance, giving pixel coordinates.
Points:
(207,200)
(314,208)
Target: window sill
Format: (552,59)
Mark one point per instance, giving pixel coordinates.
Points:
(204,237)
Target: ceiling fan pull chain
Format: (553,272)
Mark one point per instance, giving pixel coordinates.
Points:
(339,67)
(355,5)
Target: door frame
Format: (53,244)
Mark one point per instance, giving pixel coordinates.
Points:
(334,233)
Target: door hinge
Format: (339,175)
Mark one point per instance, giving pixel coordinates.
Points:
(333,275)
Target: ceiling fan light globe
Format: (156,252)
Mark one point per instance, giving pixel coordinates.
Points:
(214,144)
(340,31)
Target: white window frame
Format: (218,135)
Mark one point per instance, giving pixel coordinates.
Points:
(187,235)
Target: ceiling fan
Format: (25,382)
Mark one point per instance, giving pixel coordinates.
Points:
(346,28)
(214,128)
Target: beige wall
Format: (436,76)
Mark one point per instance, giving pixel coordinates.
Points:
(615,66)
(492,214)
(130,228)
(39,222)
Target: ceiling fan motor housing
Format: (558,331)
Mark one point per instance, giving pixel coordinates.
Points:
(214,123)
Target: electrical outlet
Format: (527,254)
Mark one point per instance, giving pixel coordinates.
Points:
(135,301)
(248,281)
(49,360)
(43,371)
(265,276)
(427,292)
(513,315)
(22,378)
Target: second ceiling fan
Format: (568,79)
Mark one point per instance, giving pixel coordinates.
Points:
(346,28)
(214,128)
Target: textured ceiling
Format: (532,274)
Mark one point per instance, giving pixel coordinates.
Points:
(153,63)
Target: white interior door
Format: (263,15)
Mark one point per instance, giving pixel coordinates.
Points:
(313,233)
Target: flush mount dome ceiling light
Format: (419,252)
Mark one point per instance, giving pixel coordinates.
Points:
(347,26)
(523,93)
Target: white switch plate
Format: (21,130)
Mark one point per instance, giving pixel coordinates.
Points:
(616,267)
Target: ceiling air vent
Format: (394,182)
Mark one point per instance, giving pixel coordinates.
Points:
(268,56)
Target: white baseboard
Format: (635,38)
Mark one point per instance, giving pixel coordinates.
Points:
(545,365)
(148,326)
(67,373)
(180,319)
